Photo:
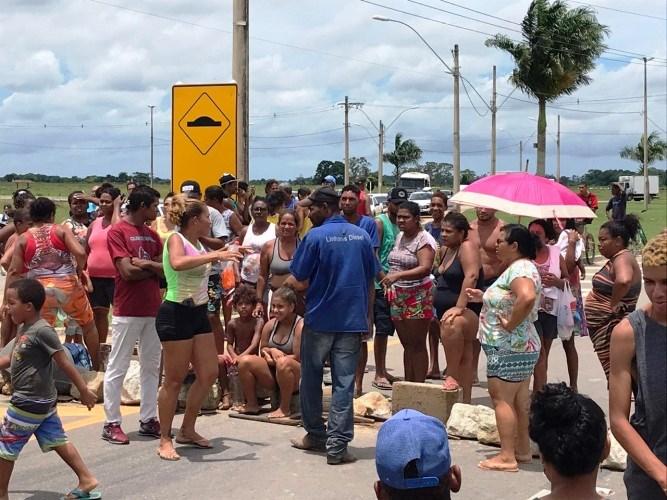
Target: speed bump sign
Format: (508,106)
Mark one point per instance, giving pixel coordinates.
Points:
(203,133)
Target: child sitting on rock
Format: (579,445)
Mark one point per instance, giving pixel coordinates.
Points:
(243,335)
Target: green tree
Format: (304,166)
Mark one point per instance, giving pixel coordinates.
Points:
(657,150)
(558,50)
(404,153)
(359,167)
(440,172)
(468,176)
(328,167)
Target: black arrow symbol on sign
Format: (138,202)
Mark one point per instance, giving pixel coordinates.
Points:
(204,121)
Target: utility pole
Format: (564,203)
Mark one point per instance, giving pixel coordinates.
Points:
(380,156)
(151,108)
(647,195)
(347,141)
(240,74)
(558,152)
(527,160)
(493,124)
(520,155)
(457,123)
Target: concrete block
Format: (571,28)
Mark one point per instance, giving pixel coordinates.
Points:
(210,402)
(618,457)
(94,381)
(429,399)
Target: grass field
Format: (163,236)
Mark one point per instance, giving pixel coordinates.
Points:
(653,221)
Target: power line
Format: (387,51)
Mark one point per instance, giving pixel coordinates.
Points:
(551,106)
(80,148)
(620,10)
(657,125)
(340,142)
(296,135)
(490,34)
(507,21)
(463,82)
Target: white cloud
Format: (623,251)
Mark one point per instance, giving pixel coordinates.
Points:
(67,62)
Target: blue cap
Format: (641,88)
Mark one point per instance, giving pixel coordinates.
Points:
(412,436)
(330,179)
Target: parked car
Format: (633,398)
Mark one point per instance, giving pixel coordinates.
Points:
(423,199)
(378,204)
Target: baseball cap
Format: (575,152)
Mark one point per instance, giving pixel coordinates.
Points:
(330,179)
(398,195)
(322,195)
(226,179)
(410,436)
(190,187)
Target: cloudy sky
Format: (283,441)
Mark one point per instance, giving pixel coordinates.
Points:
(77,76)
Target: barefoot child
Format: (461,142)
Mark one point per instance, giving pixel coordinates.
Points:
(243,333)
(32,408)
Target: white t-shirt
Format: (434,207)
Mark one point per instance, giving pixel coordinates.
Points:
(562,244)
(218,230)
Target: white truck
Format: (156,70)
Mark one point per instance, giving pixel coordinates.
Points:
(634,186)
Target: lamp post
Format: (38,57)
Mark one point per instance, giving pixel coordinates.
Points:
(645,139)
(456,139)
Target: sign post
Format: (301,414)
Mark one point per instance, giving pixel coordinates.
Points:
(203,133)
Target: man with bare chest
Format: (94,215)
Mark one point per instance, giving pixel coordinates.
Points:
(486,230)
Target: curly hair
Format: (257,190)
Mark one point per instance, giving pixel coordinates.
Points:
(570,429)
(183,209)
(654,253)
(245,294)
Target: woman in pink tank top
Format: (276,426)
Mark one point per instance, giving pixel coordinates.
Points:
(52,255)
(101,269)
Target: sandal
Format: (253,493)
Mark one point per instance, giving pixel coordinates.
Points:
(79,494)
(450,384)
(381,385)
(497,468)
(226,402)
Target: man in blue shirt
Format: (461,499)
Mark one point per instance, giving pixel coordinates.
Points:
(350,198)
(336,263)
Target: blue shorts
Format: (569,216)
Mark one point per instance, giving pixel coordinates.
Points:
(509,366)
(19,426)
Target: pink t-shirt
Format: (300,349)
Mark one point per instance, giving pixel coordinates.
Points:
(404,255)
(139,298)
(100,264)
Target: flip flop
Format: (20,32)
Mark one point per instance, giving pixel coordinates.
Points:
(382,386)
(246,412)
(79,494)
(448,385)
(497,469)
(524,459)
(168,459)
(202,444)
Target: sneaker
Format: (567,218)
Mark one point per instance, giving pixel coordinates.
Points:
(114,434)
(150,428)
(344,458)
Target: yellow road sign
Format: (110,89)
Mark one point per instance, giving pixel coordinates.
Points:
(203,133)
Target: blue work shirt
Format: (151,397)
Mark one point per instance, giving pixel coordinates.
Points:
(368,224)
(338,261)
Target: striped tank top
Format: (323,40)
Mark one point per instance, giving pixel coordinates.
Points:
(190,283)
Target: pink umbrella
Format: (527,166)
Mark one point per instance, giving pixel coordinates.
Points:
(524,194)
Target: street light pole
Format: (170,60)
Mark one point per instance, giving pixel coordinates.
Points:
(347,141)
(493,124)
(558,152)
(151,108)
(240,74)
(645,140)
(380,156)
(455,73)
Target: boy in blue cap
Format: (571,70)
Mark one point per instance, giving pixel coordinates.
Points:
(412,459)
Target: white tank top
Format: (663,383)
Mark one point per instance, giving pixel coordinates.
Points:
(250,265)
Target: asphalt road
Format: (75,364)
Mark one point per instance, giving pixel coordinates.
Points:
(254,460)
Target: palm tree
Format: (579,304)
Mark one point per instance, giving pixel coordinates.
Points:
(657,150)
(558,50)
(404,153)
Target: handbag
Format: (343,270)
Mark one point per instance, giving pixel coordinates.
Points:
(565,308)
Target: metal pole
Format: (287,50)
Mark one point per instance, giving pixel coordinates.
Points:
(558,152)
(645,139)
(457,135)
(520,155)
(347,141)
(240,74)
(380,156)
(151,107)
(493,124)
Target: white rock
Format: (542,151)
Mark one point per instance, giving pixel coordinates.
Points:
(487,431)
(131,392)
(618,457)
(94,381)
(211,401)
(372,403)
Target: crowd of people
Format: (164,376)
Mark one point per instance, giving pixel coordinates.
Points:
(274,291)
